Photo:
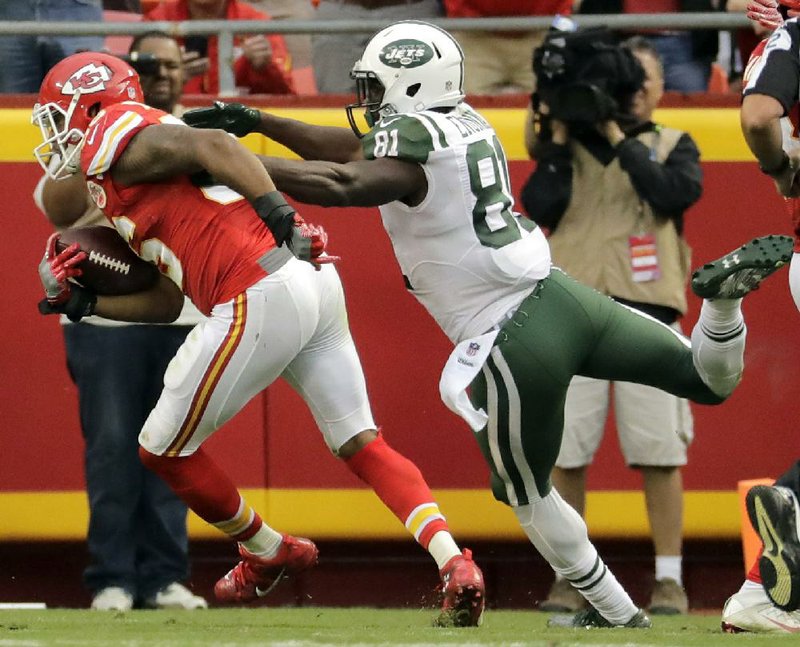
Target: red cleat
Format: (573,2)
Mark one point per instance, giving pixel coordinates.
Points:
(463,591)
(254,577)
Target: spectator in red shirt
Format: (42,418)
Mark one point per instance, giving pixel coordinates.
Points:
(500,62)
(261,63)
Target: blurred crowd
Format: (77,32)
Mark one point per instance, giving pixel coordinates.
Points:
(316,63)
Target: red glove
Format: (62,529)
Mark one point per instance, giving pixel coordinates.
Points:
(319,241)
(308,243)
(61,295)
(765,13)
(56,268)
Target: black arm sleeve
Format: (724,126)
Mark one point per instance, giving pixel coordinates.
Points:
(547,193)
(669,188)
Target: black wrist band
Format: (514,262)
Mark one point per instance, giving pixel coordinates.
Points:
(276,213)
(777,170)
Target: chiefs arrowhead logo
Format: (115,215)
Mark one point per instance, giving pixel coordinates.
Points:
(90,78)
(97,193)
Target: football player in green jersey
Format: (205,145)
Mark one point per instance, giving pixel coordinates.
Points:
(521,328)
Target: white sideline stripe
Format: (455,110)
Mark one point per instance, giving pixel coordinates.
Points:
(23,605)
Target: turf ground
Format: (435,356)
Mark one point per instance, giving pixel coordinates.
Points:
(357,627)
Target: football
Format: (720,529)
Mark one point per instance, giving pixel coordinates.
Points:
(111,266)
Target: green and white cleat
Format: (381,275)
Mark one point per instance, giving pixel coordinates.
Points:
(741,271)
(591,619)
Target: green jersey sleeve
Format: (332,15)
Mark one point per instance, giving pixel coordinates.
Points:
(403,137)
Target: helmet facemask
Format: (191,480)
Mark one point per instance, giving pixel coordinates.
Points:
(71,95)
(369,95)
(59,152)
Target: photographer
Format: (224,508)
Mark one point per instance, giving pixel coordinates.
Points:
(611,187)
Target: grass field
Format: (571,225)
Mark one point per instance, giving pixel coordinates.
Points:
(357,627)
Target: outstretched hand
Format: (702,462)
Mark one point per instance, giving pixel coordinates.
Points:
(234,118)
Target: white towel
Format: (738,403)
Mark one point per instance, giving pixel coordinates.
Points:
(461,368)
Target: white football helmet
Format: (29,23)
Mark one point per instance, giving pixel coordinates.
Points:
(408,66)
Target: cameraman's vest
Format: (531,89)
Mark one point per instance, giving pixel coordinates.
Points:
(592,240)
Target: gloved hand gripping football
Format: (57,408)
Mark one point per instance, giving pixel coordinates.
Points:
(62,296)
(233,118)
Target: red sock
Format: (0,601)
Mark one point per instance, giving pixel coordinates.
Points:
(401,487)
(754,575)
(207,490)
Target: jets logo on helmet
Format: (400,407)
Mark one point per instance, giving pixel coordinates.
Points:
(406,53)
(89,79)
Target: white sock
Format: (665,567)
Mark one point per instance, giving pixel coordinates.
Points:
(443,548)
(559,534)
(718,340)
(265,543)
(603,592)
(669,566)
(749,585)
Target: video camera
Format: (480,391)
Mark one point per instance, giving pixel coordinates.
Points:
(585,77)
(144,64)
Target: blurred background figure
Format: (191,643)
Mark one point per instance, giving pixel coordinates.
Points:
(299,45)
(613,175)
(493,63)
(133,6)
(686,56)
(333,54)
(137,538)
(261,64)
(24,60)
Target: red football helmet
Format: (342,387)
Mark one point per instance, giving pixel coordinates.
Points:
(72,94)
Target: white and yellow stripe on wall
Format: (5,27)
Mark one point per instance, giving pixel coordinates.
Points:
(716,131)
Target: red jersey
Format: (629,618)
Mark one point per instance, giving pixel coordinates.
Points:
(207,239)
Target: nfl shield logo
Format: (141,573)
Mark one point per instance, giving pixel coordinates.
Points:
(473,348)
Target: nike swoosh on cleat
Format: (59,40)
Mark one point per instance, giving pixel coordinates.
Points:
(263,592)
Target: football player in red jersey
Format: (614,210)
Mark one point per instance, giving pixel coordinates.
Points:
(270,314)
(768,600)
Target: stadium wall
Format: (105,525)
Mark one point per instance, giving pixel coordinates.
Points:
(272,447)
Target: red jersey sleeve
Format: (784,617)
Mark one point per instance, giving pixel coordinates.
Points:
(112,129)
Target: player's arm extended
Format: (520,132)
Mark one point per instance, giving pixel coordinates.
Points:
(354,184)
(162,151)
(160,304)
(309,141)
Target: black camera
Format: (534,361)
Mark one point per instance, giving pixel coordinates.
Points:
(144,64)
(585,77)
